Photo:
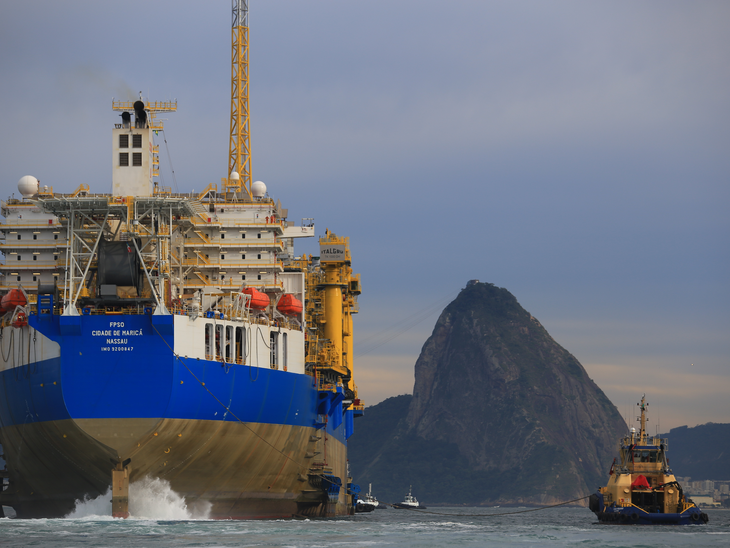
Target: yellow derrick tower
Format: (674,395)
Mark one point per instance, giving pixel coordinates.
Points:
(340,288)
(239,149)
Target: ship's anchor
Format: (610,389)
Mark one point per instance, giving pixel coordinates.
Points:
(120,488)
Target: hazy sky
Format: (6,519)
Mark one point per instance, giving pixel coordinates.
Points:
(575,153)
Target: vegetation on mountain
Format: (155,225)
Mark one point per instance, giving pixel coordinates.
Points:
(701,453)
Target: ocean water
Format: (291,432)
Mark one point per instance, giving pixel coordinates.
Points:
(160,519)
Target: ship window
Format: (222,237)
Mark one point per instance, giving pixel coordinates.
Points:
(35,236)
(220,341)
(124,159)
(230,343)
(259,235)
(223,257)
(34,278)
(55,236)
(259,276)
(124,141)
(274,350)
(645,456)
(243,257)
(18,236)
(208,341)
(223,234)
(19,257)
(259,255)
(243,235)
(137,159)
(240,345)
(137,140)
(18,278)
(284,351)
(35,257)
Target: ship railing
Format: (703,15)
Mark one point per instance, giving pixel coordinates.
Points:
(29,245)
(162,191)
(32,265)
(215,220)
(230,284)
(132,310)
(323,385)
(211,188)
(31,224)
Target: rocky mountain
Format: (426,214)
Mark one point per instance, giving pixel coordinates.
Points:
(500,414)
(702,452)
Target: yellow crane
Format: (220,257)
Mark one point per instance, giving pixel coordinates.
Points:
(239,149)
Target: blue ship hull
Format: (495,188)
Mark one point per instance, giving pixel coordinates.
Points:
(239,438)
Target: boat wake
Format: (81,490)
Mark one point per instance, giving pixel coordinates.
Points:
(149,498)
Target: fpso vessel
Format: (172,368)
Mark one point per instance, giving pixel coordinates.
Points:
(175,336)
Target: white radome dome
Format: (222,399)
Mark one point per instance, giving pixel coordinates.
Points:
(258,189)
(234,176)
(28,186)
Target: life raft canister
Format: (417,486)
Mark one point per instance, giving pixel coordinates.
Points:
(289,305)
(259,300)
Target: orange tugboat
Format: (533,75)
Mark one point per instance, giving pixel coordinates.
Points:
(641,488)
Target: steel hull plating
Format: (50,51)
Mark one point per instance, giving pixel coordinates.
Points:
(241,440)
(639,517)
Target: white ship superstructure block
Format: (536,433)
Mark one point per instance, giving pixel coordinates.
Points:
(132,161)
(33,244)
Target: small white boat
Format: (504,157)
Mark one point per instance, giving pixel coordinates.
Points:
(369,498)
(409,502)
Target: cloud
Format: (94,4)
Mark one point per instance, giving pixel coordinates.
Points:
(677,398)
(572,152)
(383,376)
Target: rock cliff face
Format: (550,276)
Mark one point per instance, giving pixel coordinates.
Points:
(500,413)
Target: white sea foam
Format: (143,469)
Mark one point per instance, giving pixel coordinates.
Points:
(149,498)
(152,498)
(100,507)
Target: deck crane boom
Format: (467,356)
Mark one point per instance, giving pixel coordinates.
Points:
(239,150)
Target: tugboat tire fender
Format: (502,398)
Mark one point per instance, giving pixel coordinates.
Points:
(624,517)
(704,517)
(695,516)
(634,517)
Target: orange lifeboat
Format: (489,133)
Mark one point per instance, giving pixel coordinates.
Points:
(289,305)
(259,300)
(13,298)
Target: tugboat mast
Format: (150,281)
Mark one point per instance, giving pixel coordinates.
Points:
(642,419)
